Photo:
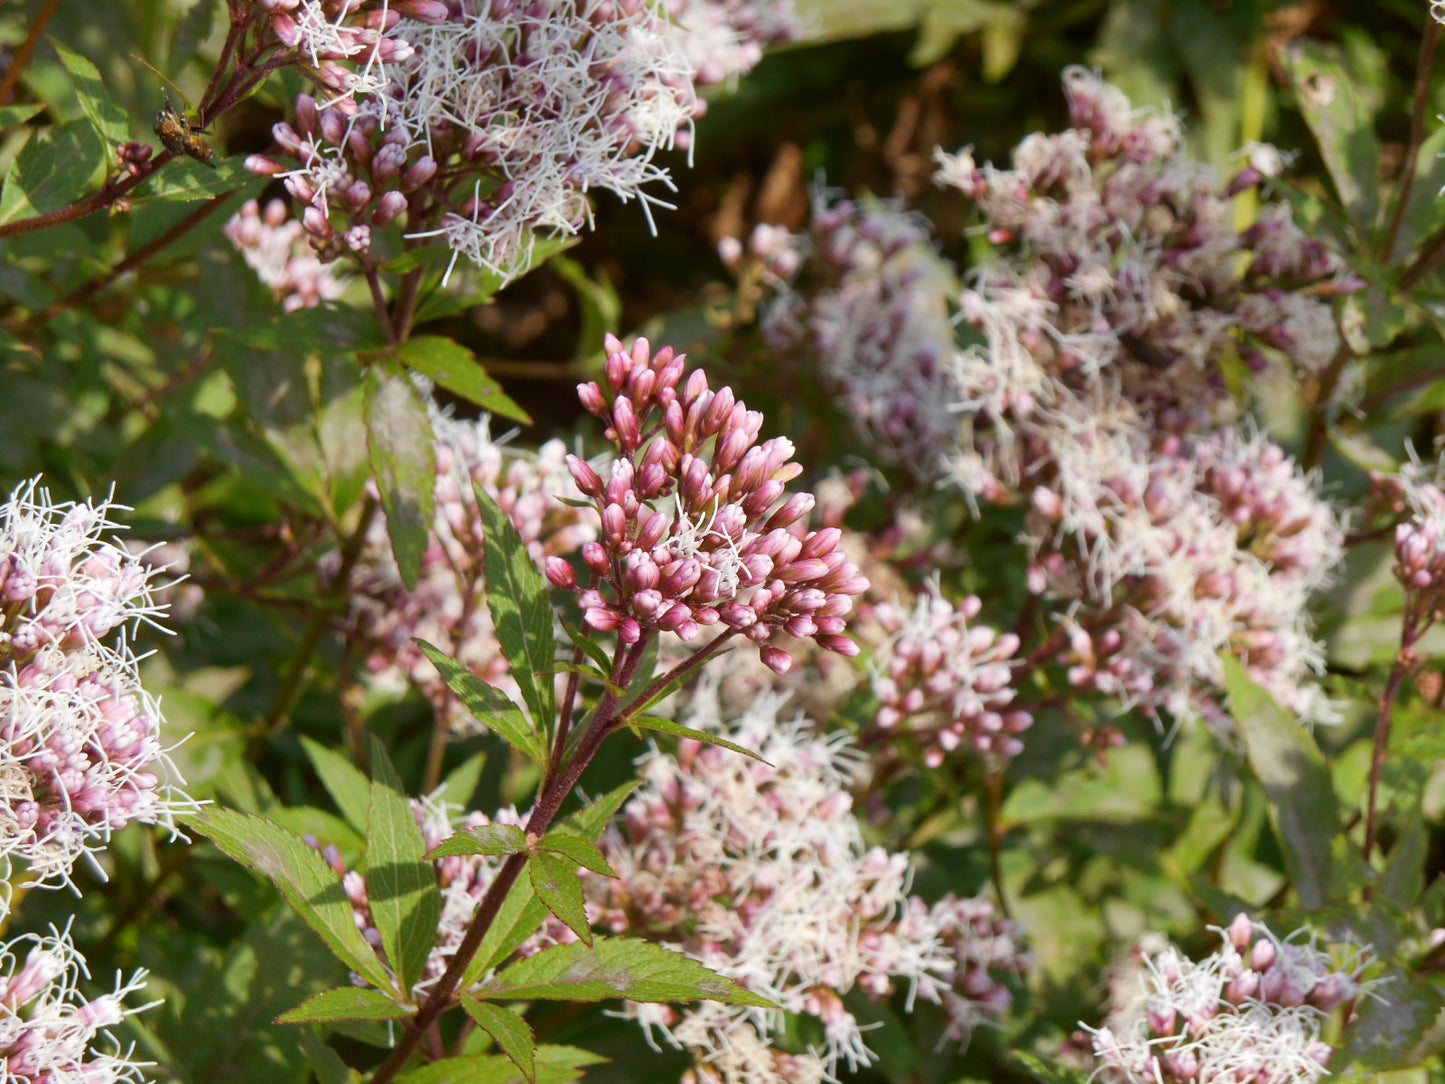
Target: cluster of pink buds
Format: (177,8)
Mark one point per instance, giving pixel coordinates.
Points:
(946,680)
(695,530)
(1252,1013)
(725,38)
(273,245)
(1414,499)
(447,607)
(80,752)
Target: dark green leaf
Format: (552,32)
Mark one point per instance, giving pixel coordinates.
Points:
(520,916)
(578,850)
(325,1062)
(185,180)
(309,885)
(635,970)
(403,460)
(491,839)
(1288,764)
(1404,876)
(592,819)
(452,366)
(589,645)
(345,1003)
(11,115)
(488,704)
(344,781)
(401,883)
(508,1030)
(1341,124)
(521,611)
(54,169)
(557,884)
(677,730)
(461,782)
(1398,1027)
(107,118)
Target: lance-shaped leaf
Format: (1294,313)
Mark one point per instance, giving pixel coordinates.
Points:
(452,366)
(345,1003)
(521,611)
(107,118)
(517,919)
(344,781)
(613,967)
(400,883)
(582,852)
(492,839)
(677,730)
(306,881)
(592,819)
(403,460)
(1288,765)
(487,703)
(558,885)
(508,1030)
(554,1064)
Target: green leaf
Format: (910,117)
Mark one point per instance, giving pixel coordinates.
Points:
(578,850)
(521,611)
(520,915)
(1399,1027)
(452,366)
(344,781)
(325,1062)
(554,1065)
(612,967)
(345,1003)
(54,169)
(1404,876)
(328,328)
(461,782)
(1051,1072)
(1337,116)
(11,115)
(490,839)
(677,730)
(488,704)
(401,883)
(184,180)
(592,819)
(508,1030)
(108,119)
(403,459)
(557,884)
(589,645)
(1288,765)
(307,882)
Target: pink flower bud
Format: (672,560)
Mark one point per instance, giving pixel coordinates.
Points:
(561,573)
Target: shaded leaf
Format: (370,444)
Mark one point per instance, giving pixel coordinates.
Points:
(578,850)
(403,460)
(1288,764)
(508,1030)
(554,1065)
(558,885)
(108,119)
(401,884)
(344,781)
(1399,1027)
(307,882)
(54,169)
(611,967)
(488,704)
(521,611)
(345,1003)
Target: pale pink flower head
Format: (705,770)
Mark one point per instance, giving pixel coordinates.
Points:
(1252,1012)
(697,529)
(51,1031)
(80,748)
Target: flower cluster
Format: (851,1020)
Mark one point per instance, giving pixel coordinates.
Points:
(494,122)
(1414,500)
(946,680)
(51,1032)
(80,752)
(274,246)
(1250,1013)
(447,607)
(874,312)
(724,39)
(759,870)
(724,547)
